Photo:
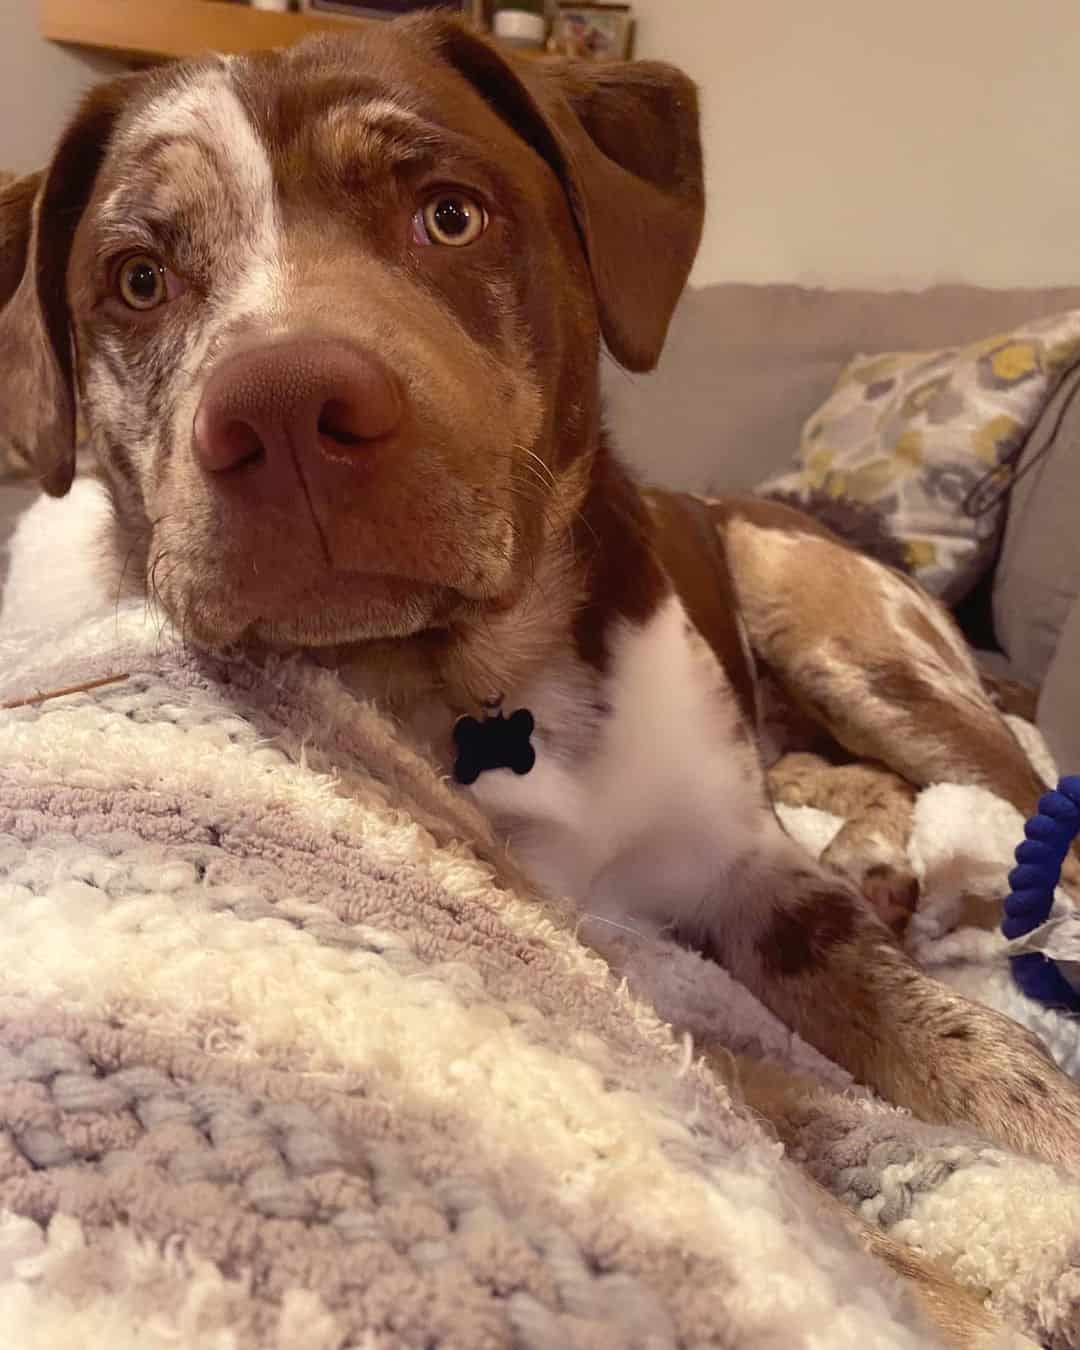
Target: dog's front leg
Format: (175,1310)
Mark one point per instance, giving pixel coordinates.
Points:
(807,944)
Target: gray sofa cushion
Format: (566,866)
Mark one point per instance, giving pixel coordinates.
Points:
(1059,705)
(746,365)
(1037,579)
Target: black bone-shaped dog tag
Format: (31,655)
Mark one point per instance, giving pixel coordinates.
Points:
(494,743)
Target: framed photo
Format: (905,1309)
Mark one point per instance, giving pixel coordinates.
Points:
(383,9)
(594,32)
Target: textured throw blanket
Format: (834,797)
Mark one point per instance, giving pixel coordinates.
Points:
(289,1056)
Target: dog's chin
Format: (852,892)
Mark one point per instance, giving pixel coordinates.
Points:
(340,611)
(341,629)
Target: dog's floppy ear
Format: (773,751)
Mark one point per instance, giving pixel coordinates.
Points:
(39,215)
(624,139)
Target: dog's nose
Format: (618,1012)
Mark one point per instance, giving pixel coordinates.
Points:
(304,396)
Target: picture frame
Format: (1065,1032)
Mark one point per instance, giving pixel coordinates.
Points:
(596,32)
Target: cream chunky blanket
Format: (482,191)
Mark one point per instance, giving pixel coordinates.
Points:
(289,1057)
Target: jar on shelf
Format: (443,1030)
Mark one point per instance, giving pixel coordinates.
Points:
(522,23)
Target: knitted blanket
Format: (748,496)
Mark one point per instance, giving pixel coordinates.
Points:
(289,1055)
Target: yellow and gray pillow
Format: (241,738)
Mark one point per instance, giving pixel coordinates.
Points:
(917,437)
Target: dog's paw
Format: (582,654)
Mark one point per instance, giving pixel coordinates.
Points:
(893,894)
(799,779)
(881,873)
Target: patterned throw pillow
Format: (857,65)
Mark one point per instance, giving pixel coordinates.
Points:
(911,435)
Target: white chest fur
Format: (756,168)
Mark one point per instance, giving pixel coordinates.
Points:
(643,793)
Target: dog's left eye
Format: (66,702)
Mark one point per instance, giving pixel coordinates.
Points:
(144,282)
(452,219)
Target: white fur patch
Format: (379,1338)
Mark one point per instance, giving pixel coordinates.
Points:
(199,113)
(197,103)
(643,823)
(58,568)
(206,108)
(251,278)
(259,280)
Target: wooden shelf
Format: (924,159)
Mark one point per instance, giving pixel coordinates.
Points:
(161,30)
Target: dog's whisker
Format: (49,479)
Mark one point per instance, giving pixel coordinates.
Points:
(615,923)
(541,468)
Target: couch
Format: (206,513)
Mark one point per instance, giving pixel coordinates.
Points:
(745,366)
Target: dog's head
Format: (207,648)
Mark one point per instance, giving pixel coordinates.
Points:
(331,316)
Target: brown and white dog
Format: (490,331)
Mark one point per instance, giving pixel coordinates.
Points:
(331,319)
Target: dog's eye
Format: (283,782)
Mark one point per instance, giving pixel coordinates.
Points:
(451,219)
(144,282)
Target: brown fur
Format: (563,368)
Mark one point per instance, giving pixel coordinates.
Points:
(614,538)
(803,935)
(683,531)
(874,660)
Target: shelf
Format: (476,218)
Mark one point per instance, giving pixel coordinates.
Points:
(161,30)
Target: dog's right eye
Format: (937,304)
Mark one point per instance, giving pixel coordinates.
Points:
(144,282)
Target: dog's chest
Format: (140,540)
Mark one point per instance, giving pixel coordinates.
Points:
(643,790)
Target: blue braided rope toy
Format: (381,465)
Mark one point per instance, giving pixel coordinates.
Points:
(1049,834)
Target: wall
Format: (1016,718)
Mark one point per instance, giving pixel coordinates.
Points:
(851,142)
(39,85)
(862,142)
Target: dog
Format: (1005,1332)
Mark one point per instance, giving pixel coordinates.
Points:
(331,319)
